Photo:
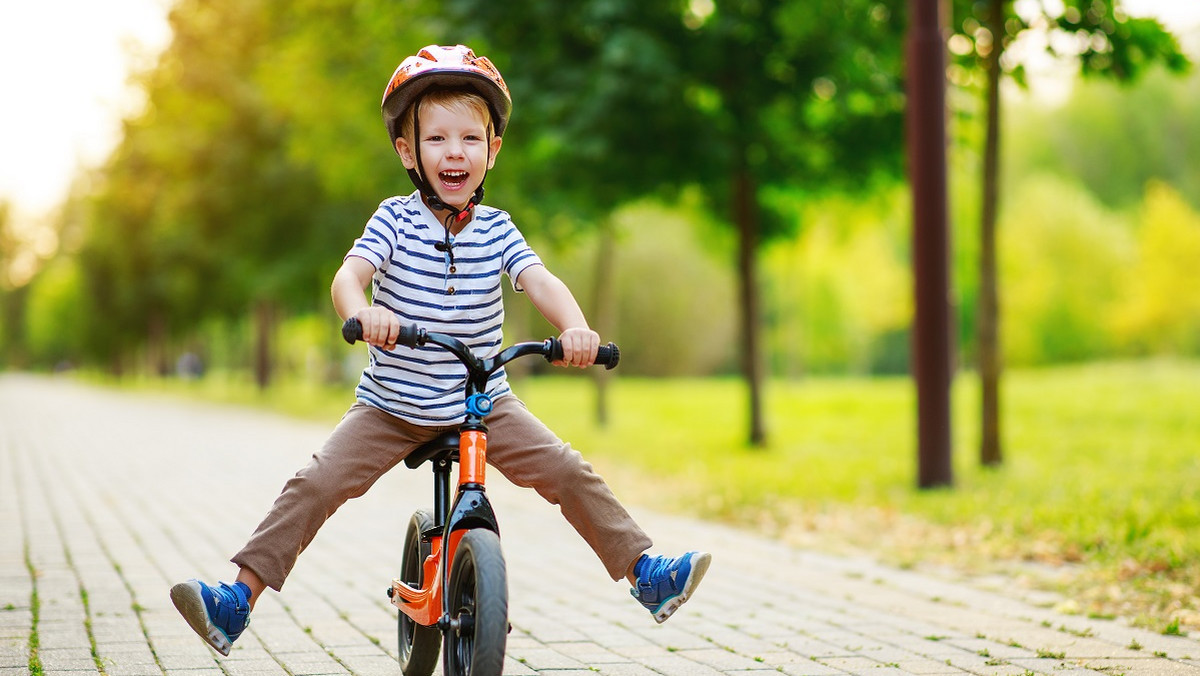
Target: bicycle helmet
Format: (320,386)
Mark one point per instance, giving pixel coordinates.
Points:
(440,66)
(455,66)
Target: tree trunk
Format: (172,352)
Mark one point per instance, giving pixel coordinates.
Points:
(933,347)
(156,345)
(264,327)
(989,305)
(745,213)
(604,304)
(13,341)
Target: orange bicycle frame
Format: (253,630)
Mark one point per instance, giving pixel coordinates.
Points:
(425,605)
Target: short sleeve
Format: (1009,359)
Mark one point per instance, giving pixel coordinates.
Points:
(517,257)
(379,238)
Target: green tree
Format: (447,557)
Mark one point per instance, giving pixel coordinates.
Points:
(1062,256)
(55,298)
(618,99)
(324,76)
(1106,42)
(10,293)
(841,292)
(1115,137)
(347,56)
(201,211)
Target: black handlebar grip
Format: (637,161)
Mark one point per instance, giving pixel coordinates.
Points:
(606,355)
(410,336)
(609,356)
(352,331)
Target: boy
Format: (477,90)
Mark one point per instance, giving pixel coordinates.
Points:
(435,258)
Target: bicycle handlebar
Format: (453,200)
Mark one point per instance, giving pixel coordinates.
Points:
(411,335)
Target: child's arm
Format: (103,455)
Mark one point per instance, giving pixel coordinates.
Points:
(381,326)
(556,303)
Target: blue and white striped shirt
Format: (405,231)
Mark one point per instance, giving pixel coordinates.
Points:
(426,385)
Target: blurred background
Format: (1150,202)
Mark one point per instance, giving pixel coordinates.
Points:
(722,184)
(173,171)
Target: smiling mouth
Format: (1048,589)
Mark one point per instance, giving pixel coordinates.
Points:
(453,179)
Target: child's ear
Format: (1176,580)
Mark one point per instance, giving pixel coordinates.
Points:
(494,147)
(406,154)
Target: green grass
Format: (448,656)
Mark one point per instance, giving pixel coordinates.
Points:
(1106,456)
(1100,483)
(35,609)
(1101,478)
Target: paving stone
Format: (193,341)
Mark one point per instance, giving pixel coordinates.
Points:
(119,527)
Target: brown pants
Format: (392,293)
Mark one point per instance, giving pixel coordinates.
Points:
(368,442)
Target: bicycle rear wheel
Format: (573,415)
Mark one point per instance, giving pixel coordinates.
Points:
(418,644)
(478,602)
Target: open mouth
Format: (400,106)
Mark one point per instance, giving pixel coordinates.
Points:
(453,179)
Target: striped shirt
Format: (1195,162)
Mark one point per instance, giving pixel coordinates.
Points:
(426,385)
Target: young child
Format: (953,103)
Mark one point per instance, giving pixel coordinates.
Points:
(435,258)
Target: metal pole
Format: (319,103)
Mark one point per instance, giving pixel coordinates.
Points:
(932,330)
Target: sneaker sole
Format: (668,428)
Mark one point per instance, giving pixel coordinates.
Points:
(188,601)
(699,568)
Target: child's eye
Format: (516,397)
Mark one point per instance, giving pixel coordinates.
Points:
(433,138)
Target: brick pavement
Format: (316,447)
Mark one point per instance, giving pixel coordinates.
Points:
(110,498)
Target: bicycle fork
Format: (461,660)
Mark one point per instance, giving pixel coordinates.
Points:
(471,509)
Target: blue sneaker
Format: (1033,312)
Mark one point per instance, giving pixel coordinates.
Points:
(664,583)
(218,614)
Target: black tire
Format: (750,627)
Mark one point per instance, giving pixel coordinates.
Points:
(419,645)
(478,602)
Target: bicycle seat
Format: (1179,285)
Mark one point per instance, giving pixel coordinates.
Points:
(444,447)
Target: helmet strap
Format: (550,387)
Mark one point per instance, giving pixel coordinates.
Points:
(417,175)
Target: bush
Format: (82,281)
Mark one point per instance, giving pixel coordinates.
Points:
(1159,307)
(839,296)
(56,314)
(1061,261)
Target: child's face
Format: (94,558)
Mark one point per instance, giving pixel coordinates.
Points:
(455,152)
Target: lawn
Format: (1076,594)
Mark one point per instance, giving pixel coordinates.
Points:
(1098,496)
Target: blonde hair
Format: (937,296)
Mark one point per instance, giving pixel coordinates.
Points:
(454,100)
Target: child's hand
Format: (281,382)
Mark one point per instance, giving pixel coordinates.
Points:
(579,347)
(381,327)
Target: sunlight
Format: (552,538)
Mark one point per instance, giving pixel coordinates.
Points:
(67,63)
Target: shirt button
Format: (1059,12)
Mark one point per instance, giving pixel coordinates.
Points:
(450,291)
(453,269)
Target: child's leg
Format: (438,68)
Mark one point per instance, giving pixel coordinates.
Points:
(253,582)
(366,444)
(530,455)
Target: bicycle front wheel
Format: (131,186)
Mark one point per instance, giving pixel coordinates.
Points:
(418,644)
(478,603)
